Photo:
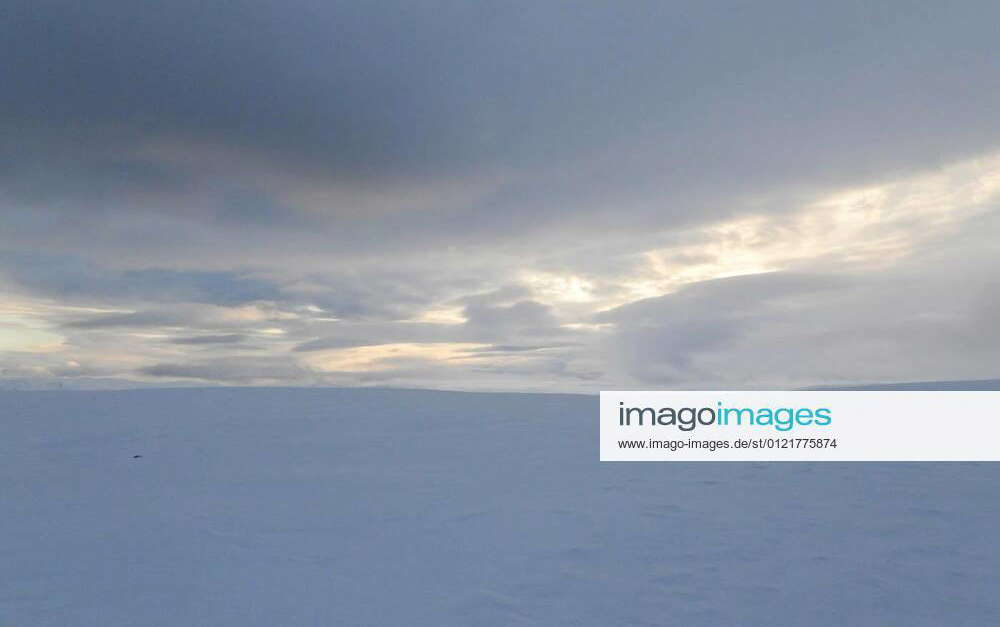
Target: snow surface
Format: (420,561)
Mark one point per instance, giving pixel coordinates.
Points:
(287,507)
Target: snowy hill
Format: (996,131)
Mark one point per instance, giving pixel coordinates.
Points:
(239,507)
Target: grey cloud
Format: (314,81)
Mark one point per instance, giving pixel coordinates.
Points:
(426,85)
(230,370)
(484,323)
(797,330)
(520,348)
(137,319)
(67,276)
(658,340)
(382,294)
(232,338)
(183,315)
(730,297)
(526,316)
(504,295)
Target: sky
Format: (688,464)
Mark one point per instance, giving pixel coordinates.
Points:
(543,196)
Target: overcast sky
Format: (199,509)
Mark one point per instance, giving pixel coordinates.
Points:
(559,196)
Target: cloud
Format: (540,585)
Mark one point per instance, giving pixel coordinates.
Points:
(466,124)
(577,196)
(72,277)
(660,339)
(781,330)
(230,371)
(232,338)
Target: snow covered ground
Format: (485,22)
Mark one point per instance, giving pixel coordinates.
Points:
(285,507)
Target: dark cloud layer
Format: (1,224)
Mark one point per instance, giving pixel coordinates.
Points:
(75,278)
(644,94)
